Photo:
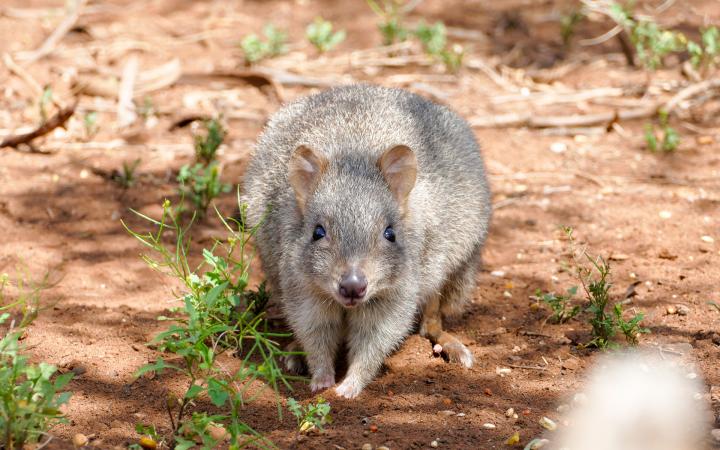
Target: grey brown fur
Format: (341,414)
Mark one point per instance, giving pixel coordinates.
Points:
(440,230)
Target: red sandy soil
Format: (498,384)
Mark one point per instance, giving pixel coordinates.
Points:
(645,211)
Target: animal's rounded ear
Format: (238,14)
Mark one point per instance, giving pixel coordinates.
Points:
(305,168)
(399,167)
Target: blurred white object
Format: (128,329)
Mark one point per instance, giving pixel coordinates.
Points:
(637,401)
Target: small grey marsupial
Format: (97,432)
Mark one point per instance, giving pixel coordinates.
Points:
(374,205)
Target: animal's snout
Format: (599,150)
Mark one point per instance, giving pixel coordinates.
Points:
(353,286)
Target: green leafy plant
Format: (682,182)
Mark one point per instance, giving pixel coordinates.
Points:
(207,144)
(705,55)
(392,16)
(255,48)
(594,276)
(670,139)
(149,437)
(312,416)
(219,313)
(650,41)
(201,185)
(434,41)
(560,305)
(30,394)
(320,34)
(126,177)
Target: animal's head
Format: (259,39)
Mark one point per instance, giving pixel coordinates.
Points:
(353,238)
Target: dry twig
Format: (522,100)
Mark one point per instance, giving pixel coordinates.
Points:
(56,36)
(58,120)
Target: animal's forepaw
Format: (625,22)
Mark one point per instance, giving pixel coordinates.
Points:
(322,381)
(295,364)
(458,353)
(349,388)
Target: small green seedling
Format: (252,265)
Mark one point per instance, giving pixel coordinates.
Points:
(126,177)
(434,40)
(670,137)
(147,109)
(30,394)
(46,99)
(313,416)
(568,25)
(432,37)
(595,280)
(320,34)
(392,16)
(255,48)
(714,305)
(200,184)
(207,144)
(90,123)
(149,437)
(561,307)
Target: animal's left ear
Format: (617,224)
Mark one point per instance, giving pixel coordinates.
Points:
(399,167)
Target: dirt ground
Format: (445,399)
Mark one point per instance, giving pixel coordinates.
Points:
(655,215)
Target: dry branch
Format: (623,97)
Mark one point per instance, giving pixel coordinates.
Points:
(58,120)
(56,36)
(263,80)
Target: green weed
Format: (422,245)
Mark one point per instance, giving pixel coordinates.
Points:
(568,25)
(434,41)
(219,314)
(200,184)
(320,34)
(560,305)
(207,144)
(90,124)
(670,139)
(126,177)
(392,15)
(312,416)
(46,99)
(256,48)
(30,394)
(594,276)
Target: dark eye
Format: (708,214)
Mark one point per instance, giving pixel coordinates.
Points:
(318,232)
(389,234)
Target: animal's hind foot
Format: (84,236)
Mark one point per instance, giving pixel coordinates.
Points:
(457,352)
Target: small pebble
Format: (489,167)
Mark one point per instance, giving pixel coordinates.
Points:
(80,440)
(707,239)
(498,273)
(507,294)
(460,414)
(434,444)
(671,310)
(536,444)
(558,147)
(489,426)
(682,310)
(665,214)
(509,412)
(437,349)
(548,424)
(366,446)
(502,371)
(382,447)
(373,428)
(366,433)
(447,412)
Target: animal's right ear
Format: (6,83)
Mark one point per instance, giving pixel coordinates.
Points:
(305,169)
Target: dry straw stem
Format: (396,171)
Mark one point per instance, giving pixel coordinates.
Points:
(531,120)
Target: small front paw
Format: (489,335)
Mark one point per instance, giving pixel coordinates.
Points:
(458,353)
(322,381)
(349,388)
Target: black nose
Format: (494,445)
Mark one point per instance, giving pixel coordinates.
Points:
(353,285)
